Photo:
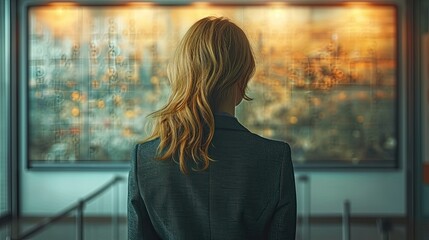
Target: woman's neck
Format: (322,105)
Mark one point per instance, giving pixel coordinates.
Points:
(227,106)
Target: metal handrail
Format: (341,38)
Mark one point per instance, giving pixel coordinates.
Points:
(346,220)
(77,206)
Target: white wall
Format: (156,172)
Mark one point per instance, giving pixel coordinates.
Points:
(370,191)
(49,192)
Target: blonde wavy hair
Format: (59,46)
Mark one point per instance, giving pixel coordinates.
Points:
(213,59)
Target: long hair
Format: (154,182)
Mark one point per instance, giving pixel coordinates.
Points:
(213,59)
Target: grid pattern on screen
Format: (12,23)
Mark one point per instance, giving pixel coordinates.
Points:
(325,82)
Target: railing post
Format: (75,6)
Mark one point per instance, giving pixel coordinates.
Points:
(79,221)
(346,220)
(304,198)
(15,228)
(115,228)
(384,226)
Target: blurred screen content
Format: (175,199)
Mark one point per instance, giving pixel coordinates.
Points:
(326,79)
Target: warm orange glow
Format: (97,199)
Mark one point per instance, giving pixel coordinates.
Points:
(130,114)
(63,4)
(293,120)
(75,96)
(141,4)
(268,132)
(360,119)
(95,84)
(127,132)
(117,100)
(201,4)
(60,18)
(342,96)
(278,16)
(75,112)
(358,4)
(101,104)
(277,4)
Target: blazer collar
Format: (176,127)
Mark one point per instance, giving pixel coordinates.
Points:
(228,122)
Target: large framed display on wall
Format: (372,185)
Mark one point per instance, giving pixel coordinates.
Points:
(326,79)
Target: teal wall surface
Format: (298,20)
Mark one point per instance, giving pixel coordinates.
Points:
(4,110)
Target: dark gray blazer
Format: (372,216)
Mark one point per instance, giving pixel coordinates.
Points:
(248,192)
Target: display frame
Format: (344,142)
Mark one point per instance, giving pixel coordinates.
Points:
(425,99)
(308,165)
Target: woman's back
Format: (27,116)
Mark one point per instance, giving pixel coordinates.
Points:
(248,192)
(201,175)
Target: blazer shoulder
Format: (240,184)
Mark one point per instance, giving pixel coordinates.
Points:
(280,145)
(145,150)
(280,148)
(148,145)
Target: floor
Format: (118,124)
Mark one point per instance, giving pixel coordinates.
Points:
(96,230)
(66,230)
